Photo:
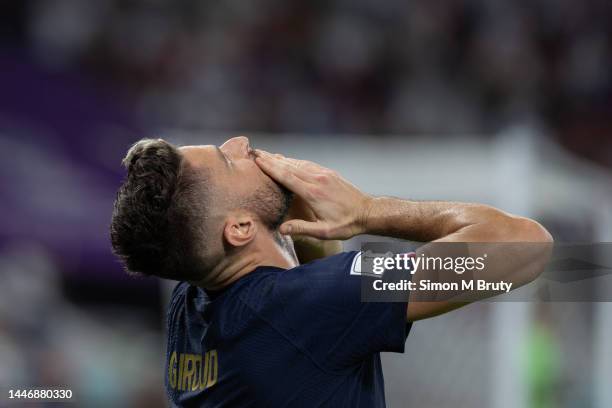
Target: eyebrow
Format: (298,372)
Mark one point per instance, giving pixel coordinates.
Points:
(222,156)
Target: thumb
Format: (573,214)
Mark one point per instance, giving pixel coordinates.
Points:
(301,227)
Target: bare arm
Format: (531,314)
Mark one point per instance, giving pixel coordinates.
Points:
(341,211)
(441,222)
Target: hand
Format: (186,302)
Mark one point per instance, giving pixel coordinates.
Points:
(300,210)
(339,209)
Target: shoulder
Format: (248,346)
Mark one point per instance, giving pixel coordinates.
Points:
(271,285)
(344,261)
(326,279)
(177,299)
(178,292)
(336,267)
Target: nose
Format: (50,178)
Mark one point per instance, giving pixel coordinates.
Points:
(237,147)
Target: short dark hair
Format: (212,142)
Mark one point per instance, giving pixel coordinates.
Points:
(158,214)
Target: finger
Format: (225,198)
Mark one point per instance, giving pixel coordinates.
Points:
(306,228)
(300,164)
(293,164)
(284,174)
(305,167)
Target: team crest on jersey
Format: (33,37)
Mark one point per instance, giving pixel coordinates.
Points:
(356,265)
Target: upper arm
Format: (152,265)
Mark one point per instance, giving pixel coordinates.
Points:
(518,257)
(424,310)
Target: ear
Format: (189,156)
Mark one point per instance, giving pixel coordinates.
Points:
(240,229)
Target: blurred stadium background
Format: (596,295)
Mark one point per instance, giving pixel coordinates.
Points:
(503,102)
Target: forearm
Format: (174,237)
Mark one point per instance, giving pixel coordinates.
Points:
(426,221)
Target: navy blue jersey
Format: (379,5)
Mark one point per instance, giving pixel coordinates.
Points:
(300,337)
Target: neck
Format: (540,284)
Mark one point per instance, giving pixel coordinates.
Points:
(265,250)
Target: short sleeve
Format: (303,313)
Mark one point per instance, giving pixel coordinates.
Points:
(321,311)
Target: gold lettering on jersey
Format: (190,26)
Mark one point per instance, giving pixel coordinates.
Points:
(204,371)
(196,384)
(180,379)
(193,372)
(188,372)
(172,370)
(213,368)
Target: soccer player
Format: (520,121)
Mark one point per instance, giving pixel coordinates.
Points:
(256,320)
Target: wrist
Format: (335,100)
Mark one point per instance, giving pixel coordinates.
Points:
(364,219)
(386,216)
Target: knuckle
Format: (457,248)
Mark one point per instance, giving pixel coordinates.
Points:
(309,195)
(286,174)
(316,192)
(326,233)
(322,178)
(331,173)
(308,165)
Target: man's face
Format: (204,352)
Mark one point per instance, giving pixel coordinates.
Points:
(237,181)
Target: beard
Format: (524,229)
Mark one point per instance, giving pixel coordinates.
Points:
(271,203)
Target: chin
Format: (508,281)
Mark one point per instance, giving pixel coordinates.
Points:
(271,203)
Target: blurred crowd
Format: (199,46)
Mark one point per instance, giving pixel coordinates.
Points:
(106,355)
(342,66)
